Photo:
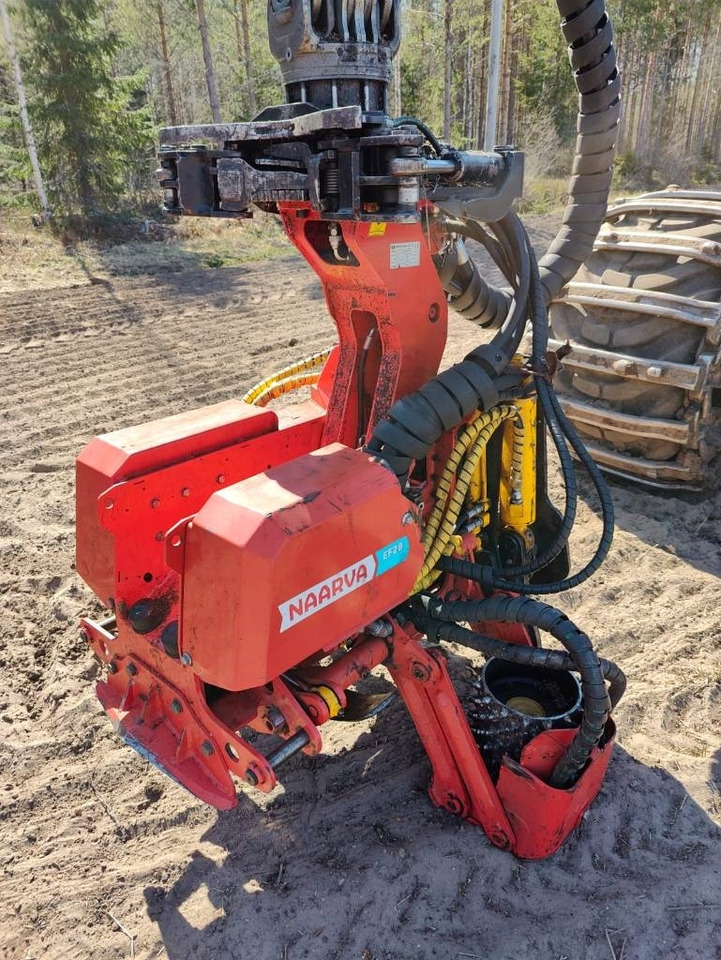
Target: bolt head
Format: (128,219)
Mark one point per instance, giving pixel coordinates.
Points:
(176,706)
(186,660)
(206,748)
(408,518)
(420,672)
(452,803)
(131,670)
(251,777)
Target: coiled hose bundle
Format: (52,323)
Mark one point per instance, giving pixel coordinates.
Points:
(483,380)
(441,623)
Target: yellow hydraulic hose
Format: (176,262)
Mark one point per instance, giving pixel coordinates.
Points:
(286,375)
(438,535)
(280,387)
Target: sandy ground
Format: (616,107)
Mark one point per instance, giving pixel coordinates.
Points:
(349,861)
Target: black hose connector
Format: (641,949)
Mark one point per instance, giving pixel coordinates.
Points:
(597,703)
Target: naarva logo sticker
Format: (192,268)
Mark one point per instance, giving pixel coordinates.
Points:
(320,595)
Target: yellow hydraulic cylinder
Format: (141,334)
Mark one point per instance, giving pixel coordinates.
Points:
(518,479)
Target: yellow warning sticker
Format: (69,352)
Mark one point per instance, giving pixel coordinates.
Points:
(377,229)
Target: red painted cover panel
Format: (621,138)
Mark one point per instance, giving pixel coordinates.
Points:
(135,451)
(293,561)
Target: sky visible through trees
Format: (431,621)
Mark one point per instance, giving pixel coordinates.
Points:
(102,77)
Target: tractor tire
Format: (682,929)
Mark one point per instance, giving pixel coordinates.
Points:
(642,381)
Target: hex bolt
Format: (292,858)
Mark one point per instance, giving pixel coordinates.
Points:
(155,503)
(380,628)
(276,720)
(420,672)
(220,478)
(186,660)
(452,803)
(206,748)
(176,706)
(408,518)
(185,492)
(131,670)
(500,840)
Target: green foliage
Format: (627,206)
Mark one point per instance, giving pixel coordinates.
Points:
(93,130)
(543,78)
(14,162)
(543,195)
(100,75)
(422,63)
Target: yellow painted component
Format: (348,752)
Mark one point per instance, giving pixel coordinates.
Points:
(518,468)
(439,534)
(532,708)
(286,374)
(330,699)
(478,491)
(286,386)
(377,229)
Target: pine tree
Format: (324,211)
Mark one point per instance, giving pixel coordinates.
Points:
(15,170)
(91,132)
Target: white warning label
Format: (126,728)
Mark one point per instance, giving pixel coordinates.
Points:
(405,255)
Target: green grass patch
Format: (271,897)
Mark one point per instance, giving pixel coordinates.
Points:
(69,253)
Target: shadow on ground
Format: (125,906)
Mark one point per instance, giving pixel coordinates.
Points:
(353,862)
(683,524)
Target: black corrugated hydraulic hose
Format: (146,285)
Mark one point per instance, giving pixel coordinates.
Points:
(538,364)
(491,579)
(597,704)
(417,421)
(589,34)
(468,292)
(425,130)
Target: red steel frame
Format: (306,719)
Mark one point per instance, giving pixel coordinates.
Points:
(139,490)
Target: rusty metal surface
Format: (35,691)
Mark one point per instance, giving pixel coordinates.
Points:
(643,318)
(666,203)
(682,475)
(653,303)
(340,118)
(686,376)
(675,244)
(675,430)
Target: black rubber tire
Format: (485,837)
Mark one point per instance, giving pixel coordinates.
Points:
(641,335)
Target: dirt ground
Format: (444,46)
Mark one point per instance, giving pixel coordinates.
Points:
(101,857)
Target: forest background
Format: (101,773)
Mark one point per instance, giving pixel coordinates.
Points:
(102,78)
